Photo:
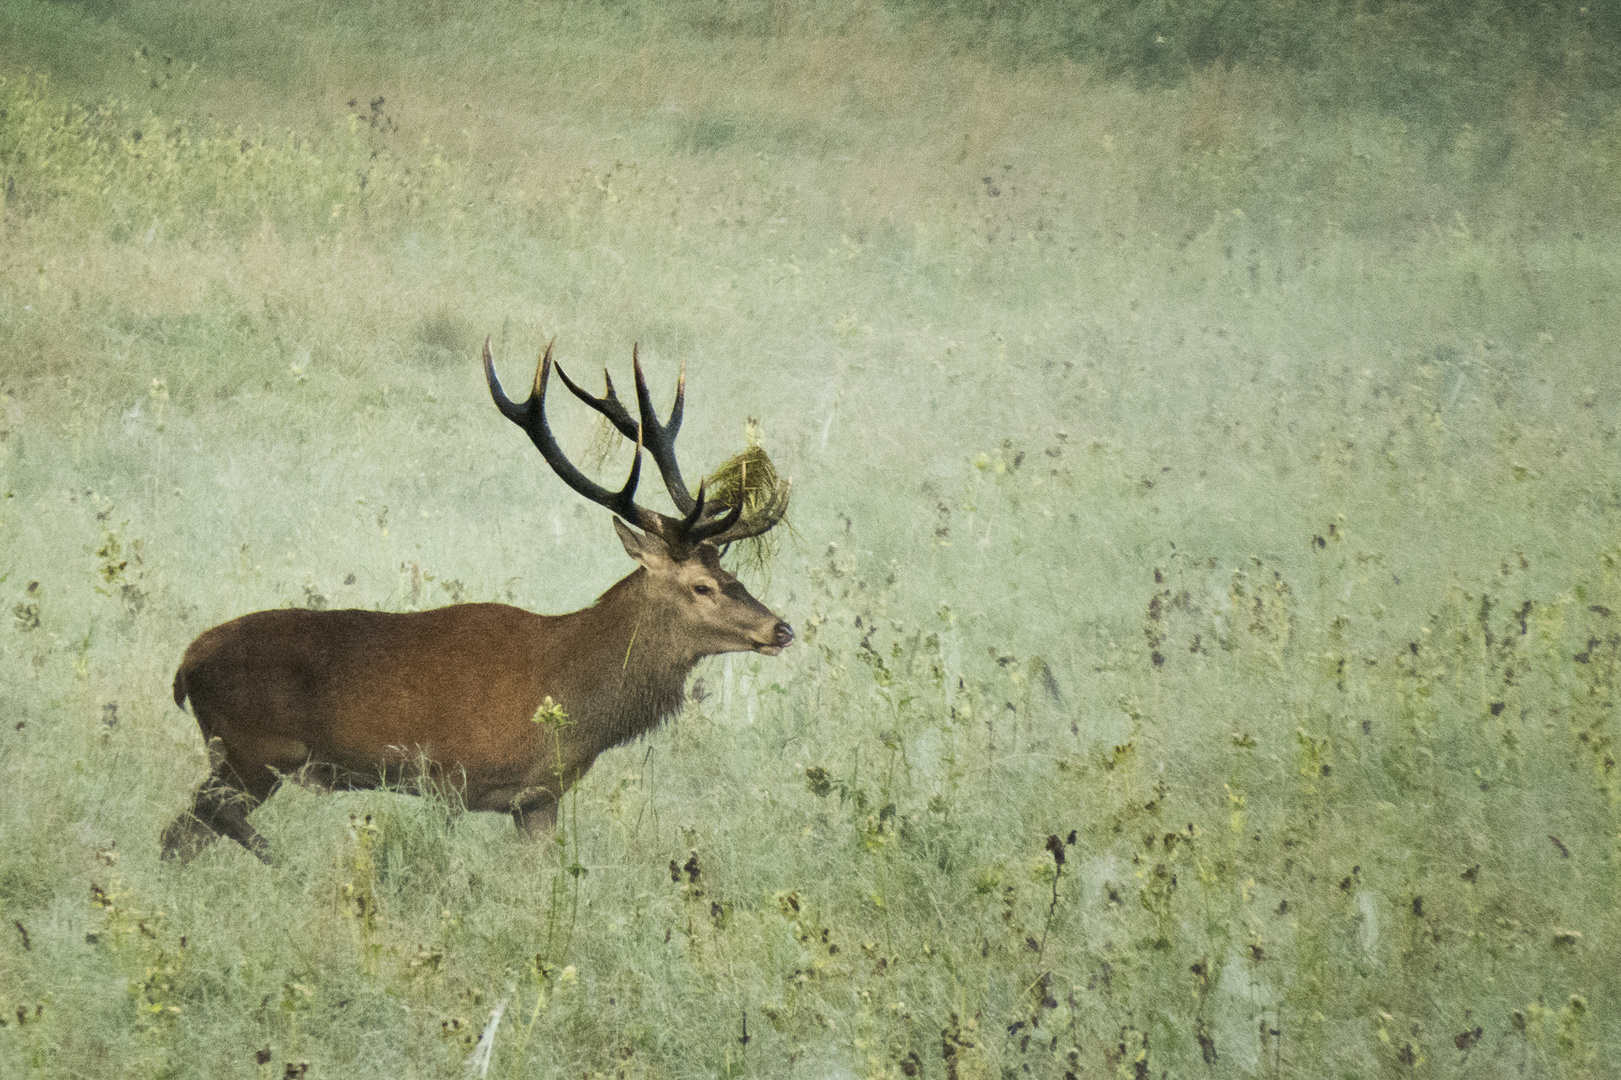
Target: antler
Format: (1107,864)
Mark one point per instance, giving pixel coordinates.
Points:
(531,416)
(658,438)
(700,522)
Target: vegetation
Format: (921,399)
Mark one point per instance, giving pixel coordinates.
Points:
(1205,539)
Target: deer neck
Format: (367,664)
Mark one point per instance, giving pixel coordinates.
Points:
(629,670)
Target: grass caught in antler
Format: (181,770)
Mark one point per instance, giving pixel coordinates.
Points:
(751,477)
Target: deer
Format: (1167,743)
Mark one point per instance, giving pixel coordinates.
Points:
(504,708)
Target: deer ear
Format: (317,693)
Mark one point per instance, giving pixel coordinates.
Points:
(645,548)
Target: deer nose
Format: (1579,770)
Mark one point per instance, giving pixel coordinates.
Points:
(784,635)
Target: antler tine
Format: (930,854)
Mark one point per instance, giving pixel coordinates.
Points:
(516,413)
(531,417)
(660,438)
(697,513)
(608,404)
(699,530)
(694,529)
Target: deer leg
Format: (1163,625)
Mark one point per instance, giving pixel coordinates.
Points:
(534,811)
(220,808)
(186,836)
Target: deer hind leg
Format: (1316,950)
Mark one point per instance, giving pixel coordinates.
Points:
(219,808)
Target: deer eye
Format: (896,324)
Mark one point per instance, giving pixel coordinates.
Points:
(702,590)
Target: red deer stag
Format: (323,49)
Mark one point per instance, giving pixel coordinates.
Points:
(449,698)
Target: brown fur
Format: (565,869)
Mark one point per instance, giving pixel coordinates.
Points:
(447,698)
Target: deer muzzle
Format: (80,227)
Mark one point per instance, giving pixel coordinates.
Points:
(782,636)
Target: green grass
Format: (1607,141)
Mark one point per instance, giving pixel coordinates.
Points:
(1215,460)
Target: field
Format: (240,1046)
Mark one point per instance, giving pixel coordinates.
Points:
(1205,549)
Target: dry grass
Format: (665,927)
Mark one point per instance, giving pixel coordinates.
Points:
(1220,474)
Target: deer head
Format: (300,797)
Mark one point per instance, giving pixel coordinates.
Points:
(685,585)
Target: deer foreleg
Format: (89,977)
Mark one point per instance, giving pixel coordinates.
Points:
(534,811)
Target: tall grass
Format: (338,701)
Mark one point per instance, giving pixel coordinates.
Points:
(1204,554)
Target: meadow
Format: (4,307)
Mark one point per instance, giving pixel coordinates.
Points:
(1205,549)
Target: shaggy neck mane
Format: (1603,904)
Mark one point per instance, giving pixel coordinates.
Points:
(628,673)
